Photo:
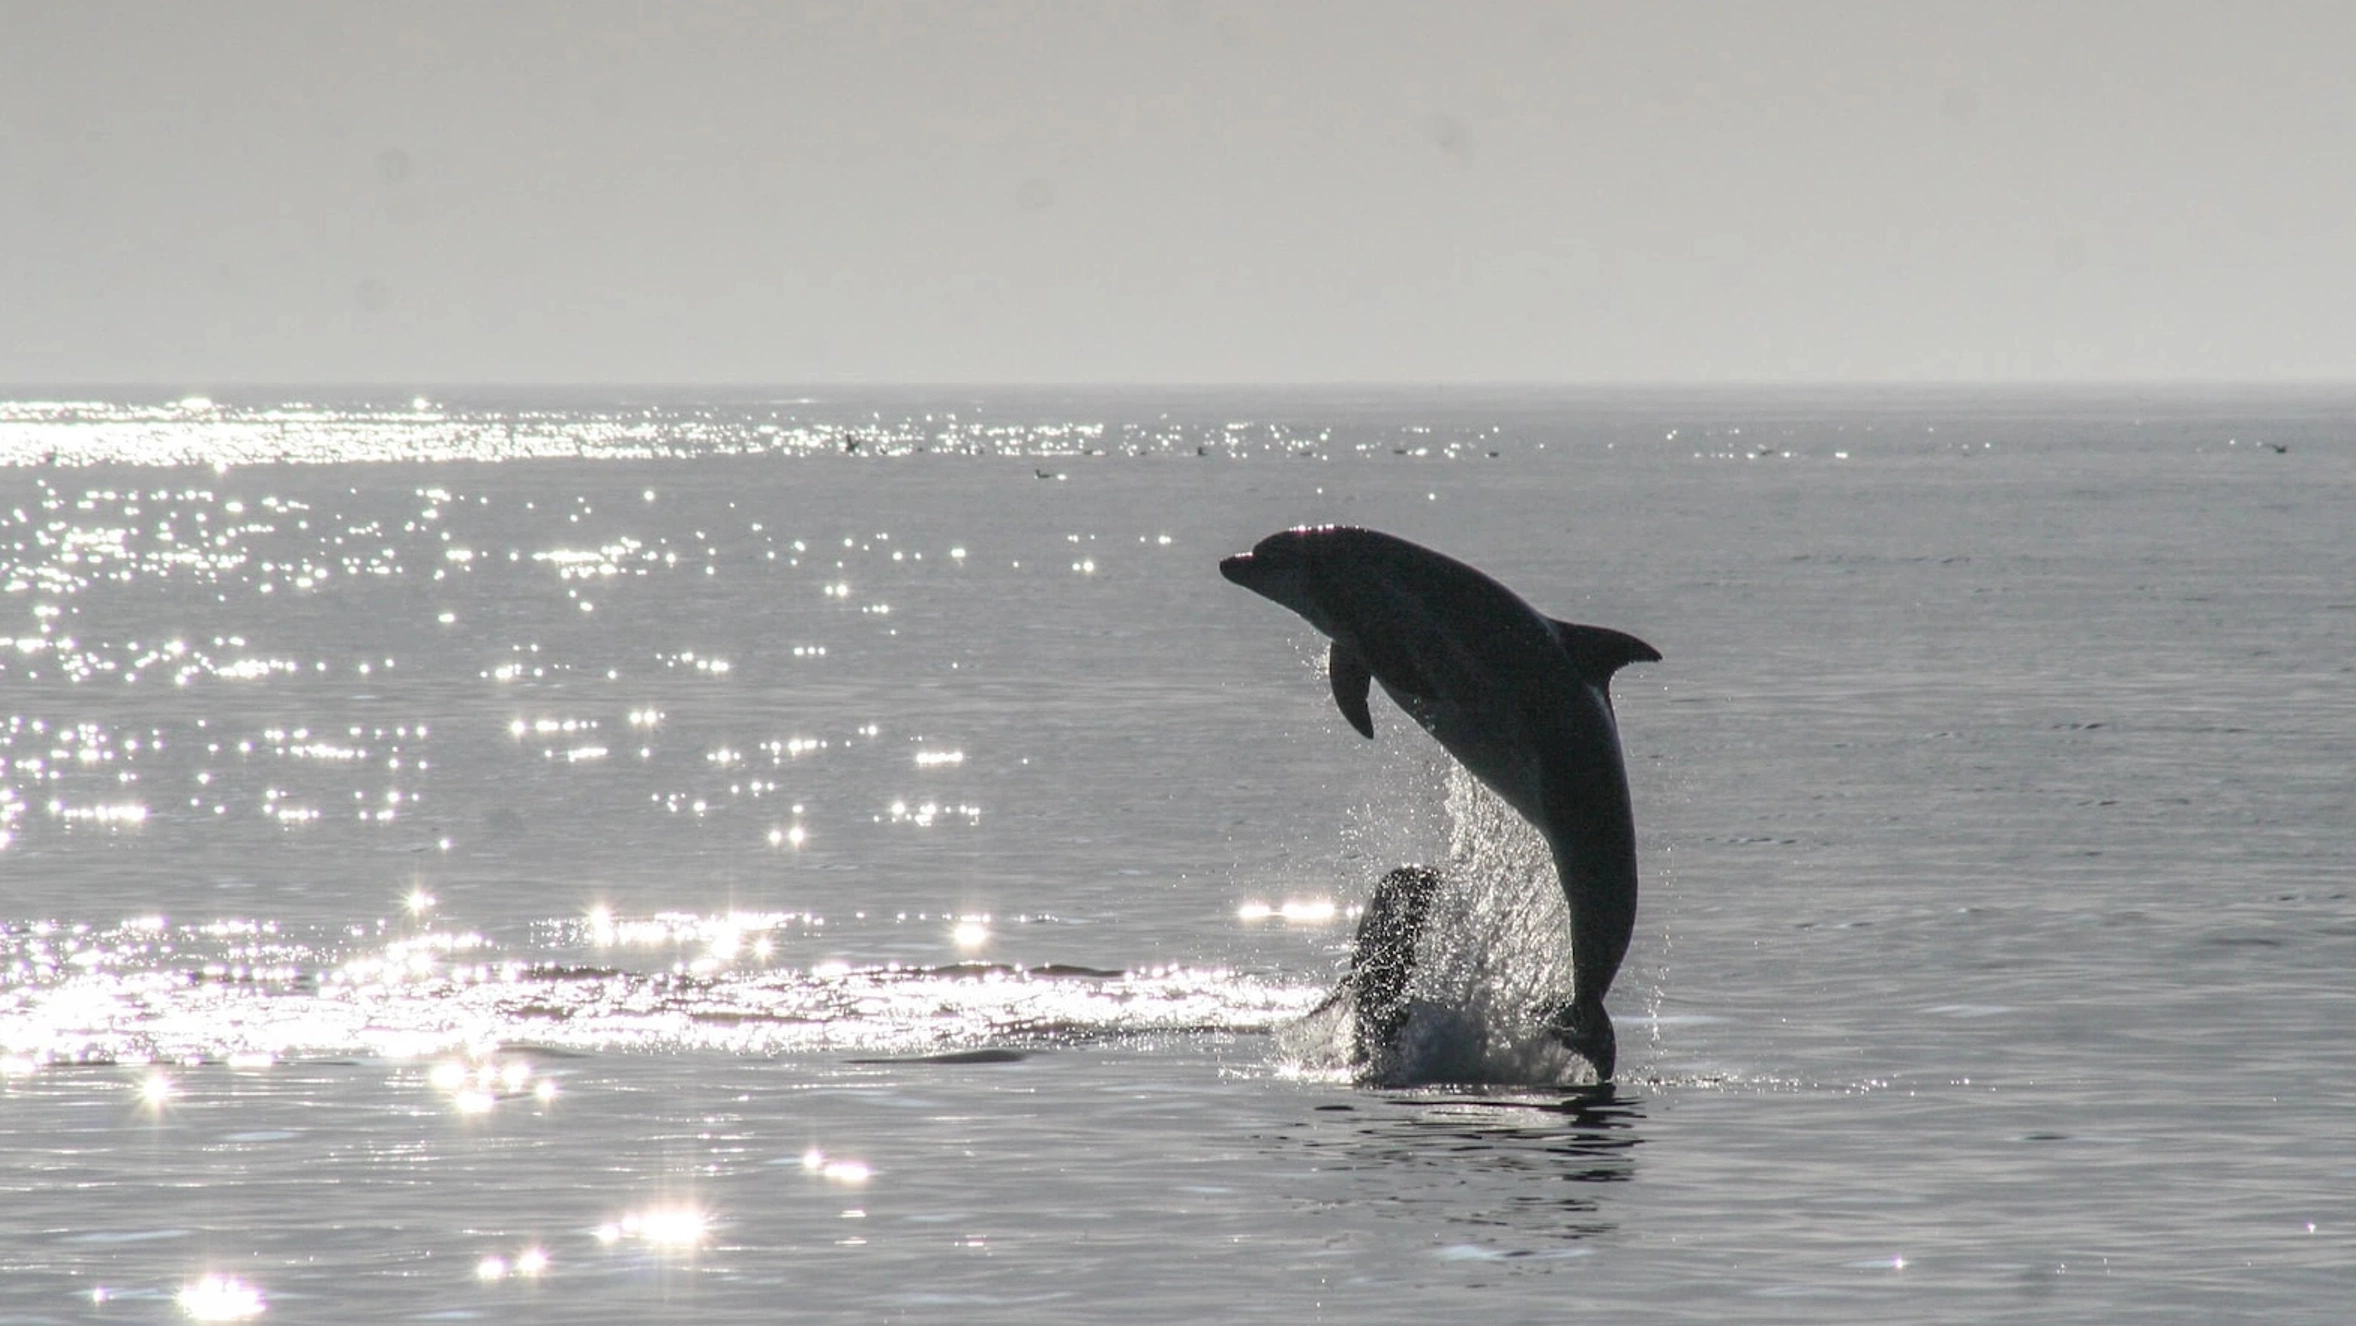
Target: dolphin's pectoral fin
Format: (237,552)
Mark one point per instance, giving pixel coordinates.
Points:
(1351,682)
(1599,651)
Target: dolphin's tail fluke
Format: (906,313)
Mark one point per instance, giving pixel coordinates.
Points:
(1586,1030)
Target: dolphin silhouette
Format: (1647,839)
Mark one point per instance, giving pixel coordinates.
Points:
(1521,700)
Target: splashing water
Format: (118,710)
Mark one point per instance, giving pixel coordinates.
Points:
(1493,956)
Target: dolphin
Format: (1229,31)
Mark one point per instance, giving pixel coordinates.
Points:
(1523,701)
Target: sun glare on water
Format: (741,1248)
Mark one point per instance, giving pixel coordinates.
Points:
(220,1298)
(668,1228)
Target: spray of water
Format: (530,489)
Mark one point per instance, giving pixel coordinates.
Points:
(1493,956)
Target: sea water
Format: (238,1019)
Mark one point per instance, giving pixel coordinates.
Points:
(726,856)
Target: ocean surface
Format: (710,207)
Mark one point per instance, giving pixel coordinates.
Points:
(734,856)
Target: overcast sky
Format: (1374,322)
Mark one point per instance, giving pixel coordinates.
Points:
(1191,190)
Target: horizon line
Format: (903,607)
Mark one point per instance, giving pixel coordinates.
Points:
(201,385)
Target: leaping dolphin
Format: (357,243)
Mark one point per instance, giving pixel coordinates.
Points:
(1521,700)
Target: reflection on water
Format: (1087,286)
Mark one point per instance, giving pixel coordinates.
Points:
(339,709)
(526,1264)
(197,431)
(663,1227)
(1541,1157)
(251,993)
(220,1298)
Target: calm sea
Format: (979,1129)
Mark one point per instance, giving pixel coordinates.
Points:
(545,857)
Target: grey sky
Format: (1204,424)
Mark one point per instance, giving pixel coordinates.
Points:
(1185,191)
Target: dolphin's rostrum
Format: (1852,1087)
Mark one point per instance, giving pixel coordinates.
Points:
(1521,700)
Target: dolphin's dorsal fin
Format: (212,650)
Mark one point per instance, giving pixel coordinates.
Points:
(1599,651)
(1351,681)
